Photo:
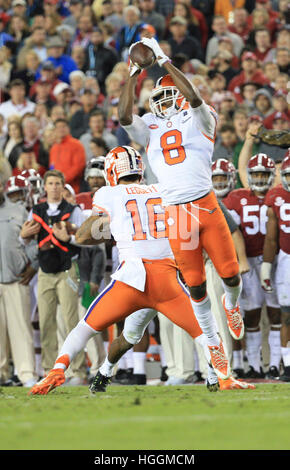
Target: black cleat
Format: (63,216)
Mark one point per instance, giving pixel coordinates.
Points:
(197,376)
(273,373)
(163,376)
(253,374)
(286,375)
(13,382)
(214,387)
(122,376)
(136,379)
(238,373)
(99,383)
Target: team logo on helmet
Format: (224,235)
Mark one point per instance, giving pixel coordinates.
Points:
(165,99)
(223,177)
(261,172)
(121,162)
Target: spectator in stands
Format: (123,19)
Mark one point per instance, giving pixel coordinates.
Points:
(79,122)
(248,91)
(15,273)
(84,31)
(67,155)
(97,128)
(130,32)
(99,59)
(226,8)
(263,103)
(36,42)
(240,25)
(77,80)
(282,59)
(63,63)
(18,104)
(116,18)
(26,161)
(75,8)
(14,139)
(180,41)
(225,147)
(220,28)
(149,15)
(250,73)
(5,69)
(271,72)
(263,44)
(79,57)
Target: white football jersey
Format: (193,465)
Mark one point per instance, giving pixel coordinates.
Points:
(136,220)
(179,151)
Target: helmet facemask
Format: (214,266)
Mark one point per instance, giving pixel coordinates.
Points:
(285,178)
(166,101)
(257,183)
(223,187)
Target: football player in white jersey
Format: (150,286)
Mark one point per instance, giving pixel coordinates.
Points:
(147,276)
(179,135)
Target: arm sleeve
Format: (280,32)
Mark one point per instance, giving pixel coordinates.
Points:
(206,119)
(138,131)
(229,218)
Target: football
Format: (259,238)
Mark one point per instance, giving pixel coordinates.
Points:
(142,55)
(71,228)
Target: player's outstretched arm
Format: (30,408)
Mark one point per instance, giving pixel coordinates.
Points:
(247,152)
(240,247)
(126,101)
(185,87)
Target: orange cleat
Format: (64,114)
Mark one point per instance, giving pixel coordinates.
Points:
(233,384)
(54,379)
(219,361)
(234,320)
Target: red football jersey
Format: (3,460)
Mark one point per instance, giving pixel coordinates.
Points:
(279,199)
(85,200)
(250,213)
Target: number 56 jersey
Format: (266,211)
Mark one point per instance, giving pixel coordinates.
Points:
(137,220)
(250,213)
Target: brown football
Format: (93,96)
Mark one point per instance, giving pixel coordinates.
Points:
(142,55)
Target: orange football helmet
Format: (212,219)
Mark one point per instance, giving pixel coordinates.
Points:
(122,161)
(165,99)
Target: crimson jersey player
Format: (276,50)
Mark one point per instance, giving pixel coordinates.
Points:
(94,177)
(249,210)
(278,239)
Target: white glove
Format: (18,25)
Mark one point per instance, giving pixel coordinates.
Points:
(134,69)
(265,276)
(158,52)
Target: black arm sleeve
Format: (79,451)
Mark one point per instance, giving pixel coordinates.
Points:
(230,221)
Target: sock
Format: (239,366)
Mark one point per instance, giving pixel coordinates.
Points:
(107,368)
(232,295)
(162,356)
(286,356)
(274,340)
(139,359)
(238,362)
(206,320)
(38,366)
(254,341)
(73,344)
(122,363)
(128,356)
(202,340)
(106,346)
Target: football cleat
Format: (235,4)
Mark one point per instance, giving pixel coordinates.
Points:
(99,383)
(212,387)
(219,361)
(285,377)
(239,373)
(234,320)
(54,379)
(273,373)
(233,384)
(135,379)
(254,374)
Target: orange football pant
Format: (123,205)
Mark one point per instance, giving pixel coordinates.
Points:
(199,225)
(164,292)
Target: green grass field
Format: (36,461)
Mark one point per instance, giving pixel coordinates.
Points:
(152,417)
